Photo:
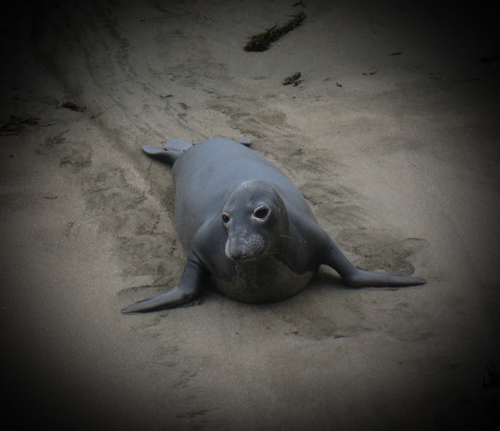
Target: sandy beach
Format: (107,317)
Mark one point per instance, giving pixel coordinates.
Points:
(393,136)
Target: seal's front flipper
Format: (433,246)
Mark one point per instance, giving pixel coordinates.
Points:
(170,299)
(360,278)
(375,279)
(185,292)
(245,141)
(169,152)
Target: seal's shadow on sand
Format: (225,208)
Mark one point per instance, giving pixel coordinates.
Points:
(327,307)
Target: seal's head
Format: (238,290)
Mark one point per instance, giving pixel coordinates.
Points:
(255,218)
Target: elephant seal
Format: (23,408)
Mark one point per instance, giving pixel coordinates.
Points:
(246,228)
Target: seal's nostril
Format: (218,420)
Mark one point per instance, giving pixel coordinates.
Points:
(245,248)
(236,253)
(240,256)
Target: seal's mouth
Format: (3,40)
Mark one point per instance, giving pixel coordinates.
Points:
(242,258)
(242,249)
(240,254)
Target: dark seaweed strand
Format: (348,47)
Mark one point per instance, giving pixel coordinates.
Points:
(262,41)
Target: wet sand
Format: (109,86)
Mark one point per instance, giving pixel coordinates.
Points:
(393,137)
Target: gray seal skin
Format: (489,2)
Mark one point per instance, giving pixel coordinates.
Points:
(246,228)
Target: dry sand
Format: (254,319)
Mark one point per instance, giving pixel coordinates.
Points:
(393,137)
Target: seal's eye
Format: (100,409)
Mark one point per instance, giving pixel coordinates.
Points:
(225,218)
(261,212)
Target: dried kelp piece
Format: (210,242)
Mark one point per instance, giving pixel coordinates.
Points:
(294,79)
(493,377)
(262,41)
(16,123)
(490,59)
(74,107)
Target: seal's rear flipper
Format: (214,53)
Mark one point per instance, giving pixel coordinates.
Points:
(169,152)
(159,153)
(179,145)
